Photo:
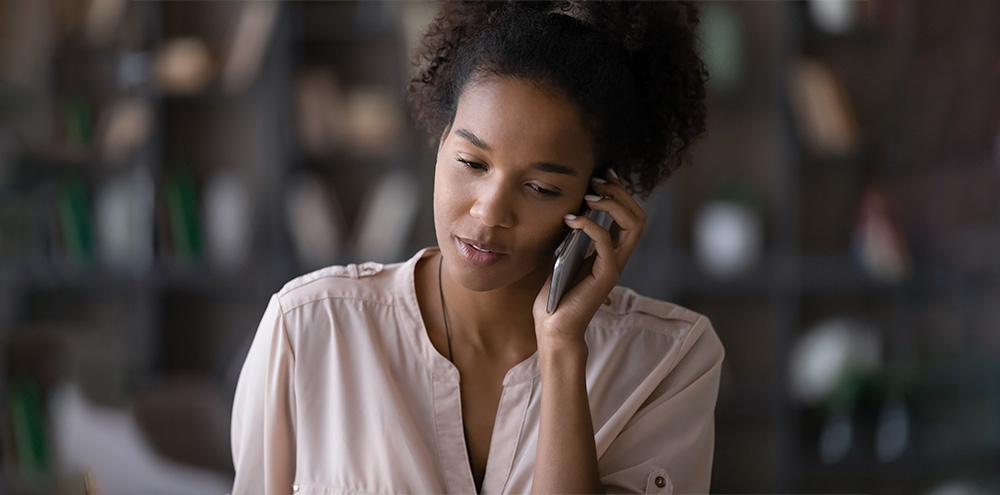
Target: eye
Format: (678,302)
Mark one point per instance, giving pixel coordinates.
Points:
(543,191)
(472,165)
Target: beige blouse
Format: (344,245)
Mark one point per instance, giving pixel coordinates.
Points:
(343,393)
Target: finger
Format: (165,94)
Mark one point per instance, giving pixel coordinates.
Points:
(595,281)
(624,239)
(618,192)
(624,218)
(629,217)
(607,264)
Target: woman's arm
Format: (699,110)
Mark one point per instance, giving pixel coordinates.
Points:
(566,457)
(263,430)
(667,445)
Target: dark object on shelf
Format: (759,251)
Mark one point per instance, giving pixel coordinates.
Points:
(184,217)
(26,410)
(76,226)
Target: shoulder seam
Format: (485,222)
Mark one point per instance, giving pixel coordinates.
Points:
(685,333)
(303,283)
(284,328)
(337,297)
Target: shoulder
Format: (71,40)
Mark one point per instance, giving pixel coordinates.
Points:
(369,281)
(627,309)
(627,315)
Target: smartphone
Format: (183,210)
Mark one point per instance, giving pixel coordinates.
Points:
(569,258)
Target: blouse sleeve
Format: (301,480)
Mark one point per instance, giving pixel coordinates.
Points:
(667,446)
(263,427)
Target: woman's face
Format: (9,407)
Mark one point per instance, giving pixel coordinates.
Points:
(514,161)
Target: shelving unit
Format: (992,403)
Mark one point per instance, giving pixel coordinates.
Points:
(934,325)
(179,319)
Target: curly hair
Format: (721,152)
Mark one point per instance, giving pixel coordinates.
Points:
(632,67)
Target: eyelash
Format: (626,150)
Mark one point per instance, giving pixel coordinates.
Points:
(472,165)
(544,192)
(480,166)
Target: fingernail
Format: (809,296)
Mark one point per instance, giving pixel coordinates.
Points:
(591,197)
(570,216)
(614,174)
(598,180)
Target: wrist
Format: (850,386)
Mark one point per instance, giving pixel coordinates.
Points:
(562,353)
(553,336)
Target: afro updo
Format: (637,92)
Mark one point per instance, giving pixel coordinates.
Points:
(633,67)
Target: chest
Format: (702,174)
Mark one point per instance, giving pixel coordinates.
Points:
(480,395)
(407,428)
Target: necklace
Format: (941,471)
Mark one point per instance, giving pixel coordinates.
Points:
(444,309)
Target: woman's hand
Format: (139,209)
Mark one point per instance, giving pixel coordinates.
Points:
(569,321)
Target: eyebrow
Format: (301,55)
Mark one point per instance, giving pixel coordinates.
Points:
(551,167)
(554,168)
(474,139)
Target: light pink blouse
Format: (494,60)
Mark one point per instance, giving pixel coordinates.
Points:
(343,393)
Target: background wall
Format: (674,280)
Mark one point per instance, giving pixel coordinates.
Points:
(165,166)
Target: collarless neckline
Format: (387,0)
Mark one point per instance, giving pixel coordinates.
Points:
(407,293)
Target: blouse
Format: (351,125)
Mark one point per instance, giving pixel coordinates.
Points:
(342,392)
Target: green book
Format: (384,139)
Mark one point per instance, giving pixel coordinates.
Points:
(27,416)
(183,216)
(75,222)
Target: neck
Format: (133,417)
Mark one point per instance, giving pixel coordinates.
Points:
(495,320)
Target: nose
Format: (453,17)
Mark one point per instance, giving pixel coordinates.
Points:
(494,206)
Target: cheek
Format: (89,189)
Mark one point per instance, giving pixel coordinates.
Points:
(552,235)
(448,193)
(451,201)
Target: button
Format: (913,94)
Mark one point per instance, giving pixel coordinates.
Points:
(607,301)
(295,487)
(660,482)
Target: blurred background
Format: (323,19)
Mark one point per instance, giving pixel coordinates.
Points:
(165,166)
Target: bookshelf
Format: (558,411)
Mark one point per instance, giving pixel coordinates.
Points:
(898,71)
(161,320)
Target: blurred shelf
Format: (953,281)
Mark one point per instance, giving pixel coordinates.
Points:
(109,283)
(828,273)
(778,273)
(55,157)
(345,22)
(228,284)
(349,162)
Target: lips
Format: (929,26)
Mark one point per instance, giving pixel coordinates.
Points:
(483,245)
(479,253)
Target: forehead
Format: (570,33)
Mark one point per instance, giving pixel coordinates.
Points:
(526,121)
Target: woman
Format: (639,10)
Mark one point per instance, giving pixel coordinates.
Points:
(445,373)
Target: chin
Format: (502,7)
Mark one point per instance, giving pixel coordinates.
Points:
(479,279)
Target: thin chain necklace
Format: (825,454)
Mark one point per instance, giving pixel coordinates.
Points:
(444,309)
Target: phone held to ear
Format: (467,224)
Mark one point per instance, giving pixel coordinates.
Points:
(570,257)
